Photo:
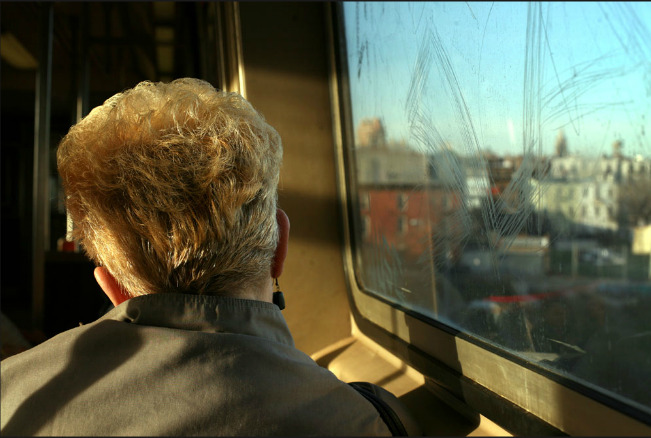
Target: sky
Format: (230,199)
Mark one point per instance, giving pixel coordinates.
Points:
(503,76)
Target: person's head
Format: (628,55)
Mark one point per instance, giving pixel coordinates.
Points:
(173,188)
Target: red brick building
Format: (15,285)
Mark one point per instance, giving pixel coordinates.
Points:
(412,219)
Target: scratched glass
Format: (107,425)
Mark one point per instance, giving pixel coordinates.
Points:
(503,176)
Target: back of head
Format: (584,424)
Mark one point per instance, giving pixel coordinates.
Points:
(173,188)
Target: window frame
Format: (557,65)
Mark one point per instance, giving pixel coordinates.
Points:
(520,396)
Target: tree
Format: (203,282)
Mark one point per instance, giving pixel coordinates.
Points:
(634,202)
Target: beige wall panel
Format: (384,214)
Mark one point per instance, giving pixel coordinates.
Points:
(286,74)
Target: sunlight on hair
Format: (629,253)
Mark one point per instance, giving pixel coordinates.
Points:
(173,188)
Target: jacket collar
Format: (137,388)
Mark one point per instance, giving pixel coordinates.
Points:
(211,314)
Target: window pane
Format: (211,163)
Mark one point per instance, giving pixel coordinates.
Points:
(503,176)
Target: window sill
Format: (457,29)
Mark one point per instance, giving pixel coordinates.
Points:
(358,358)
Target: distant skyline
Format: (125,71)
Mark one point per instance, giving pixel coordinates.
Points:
(456,73)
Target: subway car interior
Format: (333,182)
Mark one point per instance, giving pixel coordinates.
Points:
(468,184)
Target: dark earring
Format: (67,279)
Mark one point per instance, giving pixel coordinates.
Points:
(278,297)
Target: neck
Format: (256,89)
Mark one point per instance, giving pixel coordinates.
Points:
(259,291)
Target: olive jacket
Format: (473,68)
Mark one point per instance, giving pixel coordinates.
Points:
(177,364)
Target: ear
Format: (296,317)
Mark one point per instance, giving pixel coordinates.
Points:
(283,240)
(110,286)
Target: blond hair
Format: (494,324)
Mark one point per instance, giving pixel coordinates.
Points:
(173,188)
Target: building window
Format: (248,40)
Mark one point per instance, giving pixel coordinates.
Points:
(364,201)
(403,224)
(446,204)
(366,227)
(402,200)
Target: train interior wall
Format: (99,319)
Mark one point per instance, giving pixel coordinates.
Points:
(287,80)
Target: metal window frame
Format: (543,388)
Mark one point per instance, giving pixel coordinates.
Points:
(231,57)
(518,395)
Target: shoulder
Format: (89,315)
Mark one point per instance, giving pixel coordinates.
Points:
(269,387)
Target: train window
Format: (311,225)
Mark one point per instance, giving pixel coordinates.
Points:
(503,148)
